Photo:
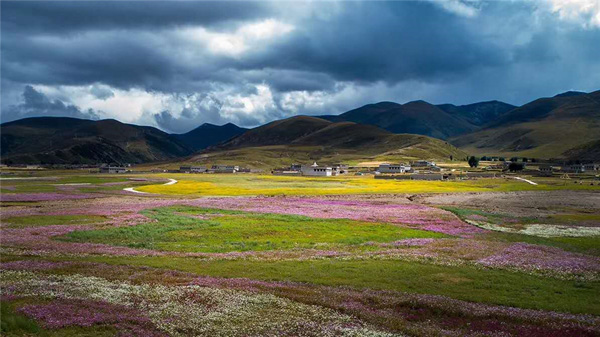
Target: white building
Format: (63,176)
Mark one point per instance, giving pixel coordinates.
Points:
(576,168)
(547,170)
(193,169)
(393,168)
(113,169)
(340,169)
(316,170)
(591,167)
(423,163)
(224,169)
(426,165)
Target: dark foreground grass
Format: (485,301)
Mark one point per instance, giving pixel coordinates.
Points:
(188,229)
(460,282)
(15,324)
(12,323)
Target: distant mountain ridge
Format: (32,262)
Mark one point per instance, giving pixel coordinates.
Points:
(420,117)
(478,114)
(208,135)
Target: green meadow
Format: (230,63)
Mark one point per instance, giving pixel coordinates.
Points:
(188,229)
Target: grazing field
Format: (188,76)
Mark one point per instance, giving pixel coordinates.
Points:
(256,255)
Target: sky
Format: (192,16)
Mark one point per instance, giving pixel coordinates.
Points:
(178,64)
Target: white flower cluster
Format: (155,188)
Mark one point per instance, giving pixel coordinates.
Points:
(190,310)
(541,230)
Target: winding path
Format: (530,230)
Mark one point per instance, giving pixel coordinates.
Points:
(131,189)
(525,180)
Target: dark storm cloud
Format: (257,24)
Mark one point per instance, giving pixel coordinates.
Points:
(74,16)
(365,42)
(120,43)
(396,50)
(390,41)
(36,104)
(113,58)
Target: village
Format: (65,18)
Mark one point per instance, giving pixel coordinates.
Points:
(486,167)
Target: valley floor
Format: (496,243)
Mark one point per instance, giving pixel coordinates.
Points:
(254,255)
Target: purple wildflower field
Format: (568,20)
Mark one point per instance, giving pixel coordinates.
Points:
(145,301)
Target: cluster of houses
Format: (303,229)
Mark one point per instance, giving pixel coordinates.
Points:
(548,169)
(113,169)
(183,169)
(213,169)
(339,169)
(415,166)
(313,170)
(420,169)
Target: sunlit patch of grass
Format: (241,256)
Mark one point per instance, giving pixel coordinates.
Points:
(226,231)
(49,220)
(251,184)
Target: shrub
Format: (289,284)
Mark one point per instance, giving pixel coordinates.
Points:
(473,161)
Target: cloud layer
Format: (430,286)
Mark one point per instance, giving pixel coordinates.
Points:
(176,65)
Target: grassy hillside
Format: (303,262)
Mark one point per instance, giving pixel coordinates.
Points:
(68,140)
(306,139)
(558,127)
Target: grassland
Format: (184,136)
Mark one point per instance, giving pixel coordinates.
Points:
(253,184)
(49,181)
(460,282)
(264,184)
(361,265)
(539,138)
(190,229)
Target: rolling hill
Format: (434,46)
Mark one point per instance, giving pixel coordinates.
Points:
(478,114)
(61,140)
(564,126)
(305,139)
(208,135)
(420,117)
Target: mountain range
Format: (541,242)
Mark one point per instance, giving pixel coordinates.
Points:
(419,117)
(307,139)
(208,135)
(564,126)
